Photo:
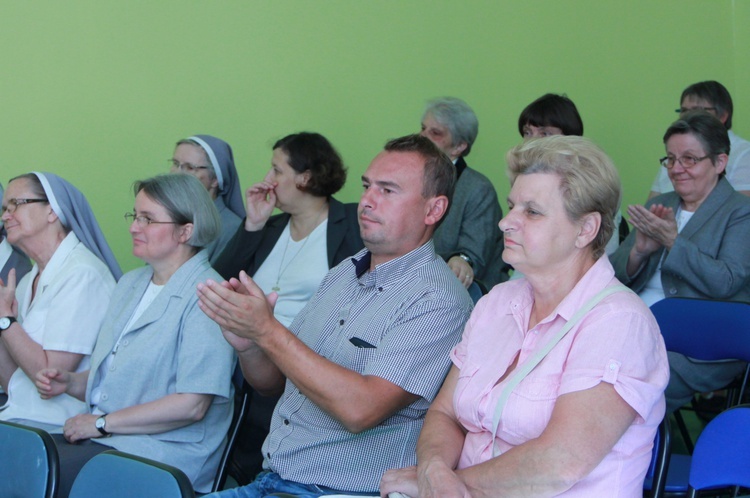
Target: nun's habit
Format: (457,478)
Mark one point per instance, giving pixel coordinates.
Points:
(68,308)
(229,199)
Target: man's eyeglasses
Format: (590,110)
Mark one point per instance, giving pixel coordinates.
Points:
(687,161)
(175,165)
(144,221)
(13,204)
(682,110)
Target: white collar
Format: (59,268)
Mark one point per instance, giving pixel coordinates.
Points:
(5,251)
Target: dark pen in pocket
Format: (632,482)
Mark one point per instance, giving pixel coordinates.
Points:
(360,343)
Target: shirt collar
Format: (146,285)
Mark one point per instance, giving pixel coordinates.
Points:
(58,258)
(393,270)
(593,281)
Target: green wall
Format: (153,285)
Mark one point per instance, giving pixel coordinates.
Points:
(99,91)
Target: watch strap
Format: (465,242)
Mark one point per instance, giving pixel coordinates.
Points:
(466,258)
(11,321)
(101,427)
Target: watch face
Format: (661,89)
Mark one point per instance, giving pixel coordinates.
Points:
(4,323)
(100,423)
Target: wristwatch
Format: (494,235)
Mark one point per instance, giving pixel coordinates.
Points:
(466,258)
(6,322)
(101,424)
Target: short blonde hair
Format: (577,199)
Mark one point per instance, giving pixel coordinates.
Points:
(589,181)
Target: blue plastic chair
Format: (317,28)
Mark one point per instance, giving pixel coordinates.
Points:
(705,330)
(29,462)
(115,474)
(721,457)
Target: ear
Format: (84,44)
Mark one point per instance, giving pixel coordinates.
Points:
(52,216)
(303,179)
(184,233)
(458,149)
(589,228)
(215,184)
(723,118)
(435,209)
(721,163)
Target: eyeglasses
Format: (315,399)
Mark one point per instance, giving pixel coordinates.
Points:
(144,221)
(682,110)
(174,164)
(687,161)
(13,204)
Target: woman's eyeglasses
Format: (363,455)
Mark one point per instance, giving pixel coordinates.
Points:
(144,221)
(13,204)
(687,161)
(176,165)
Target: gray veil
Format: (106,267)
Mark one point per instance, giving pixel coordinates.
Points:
(74,212)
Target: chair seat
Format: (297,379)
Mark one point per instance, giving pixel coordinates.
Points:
(677,476)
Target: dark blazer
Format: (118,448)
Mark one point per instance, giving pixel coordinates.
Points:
(247,250)
(710,258)
(17,260)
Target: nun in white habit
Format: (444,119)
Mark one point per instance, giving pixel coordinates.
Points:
(52,317)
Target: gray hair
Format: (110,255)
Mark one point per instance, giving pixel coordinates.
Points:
(186,201)
(458,117)
(589,181)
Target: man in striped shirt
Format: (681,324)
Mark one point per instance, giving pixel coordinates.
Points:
(361,363)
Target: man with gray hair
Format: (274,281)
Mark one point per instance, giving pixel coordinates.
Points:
(468,239)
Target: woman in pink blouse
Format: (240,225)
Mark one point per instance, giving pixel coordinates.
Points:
(581,422)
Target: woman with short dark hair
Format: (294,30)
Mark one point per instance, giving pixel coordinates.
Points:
(291,252)
(550,114)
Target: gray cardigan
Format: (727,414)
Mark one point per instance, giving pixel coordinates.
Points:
(173,347)
(710,258)
(470,227)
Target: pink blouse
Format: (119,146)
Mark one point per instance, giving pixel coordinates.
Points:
(617,342)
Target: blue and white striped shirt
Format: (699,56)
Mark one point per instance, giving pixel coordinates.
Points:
(398,322)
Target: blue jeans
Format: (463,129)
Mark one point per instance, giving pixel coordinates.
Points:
(268,483)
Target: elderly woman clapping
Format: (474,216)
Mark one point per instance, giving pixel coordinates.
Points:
(52,319)
(693,242)
(160,378)
(557,385)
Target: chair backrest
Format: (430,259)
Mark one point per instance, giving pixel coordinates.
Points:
(29,462)
(120,475)
(704,329)
(241,406)
(721,456)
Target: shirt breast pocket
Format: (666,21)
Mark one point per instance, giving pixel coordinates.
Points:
(355,353)
(528,410)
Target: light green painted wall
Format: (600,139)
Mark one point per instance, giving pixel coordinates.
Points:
(99,91)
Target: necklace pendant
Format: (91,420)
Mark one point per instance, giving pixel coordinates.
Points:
(276,288)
